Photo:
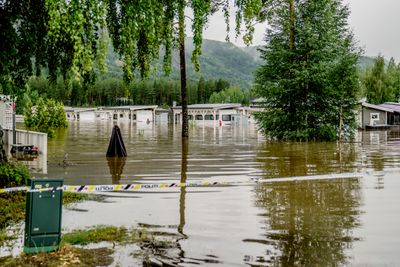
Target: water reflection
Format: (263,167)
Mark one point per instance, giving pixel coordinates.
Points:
(116,166)
(310,223)
(380,150)
(182,197)
(282,159)
(37,164)
(313,223)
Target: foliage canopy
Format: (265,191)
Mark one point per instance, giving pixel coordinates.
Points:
(70,37)
(381,81)
(46,116)
(309,78)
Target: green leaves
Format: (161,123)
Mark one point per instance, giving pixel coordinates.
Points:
(76,37)
(46,116)
(68,38)
(13,174)
(137,30)
(201,10)
(381,83)
(309,78)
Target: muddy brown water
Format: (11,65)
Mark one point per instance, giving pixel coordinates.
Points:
(336,222)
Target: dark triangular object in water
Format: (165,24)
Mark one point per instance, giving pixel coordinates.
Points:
(116,148)
(116,165)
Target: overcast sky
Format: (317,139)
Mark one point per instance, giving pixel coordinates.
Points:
(375,23)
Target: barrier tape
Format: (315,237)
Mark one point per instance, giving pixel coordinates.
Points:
(133,187)
(111,188)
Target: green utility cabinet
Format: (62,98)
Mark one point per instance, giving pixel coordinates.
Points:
(43,216)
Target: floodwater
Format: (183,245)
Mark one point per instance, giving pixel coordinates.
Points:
(322,222)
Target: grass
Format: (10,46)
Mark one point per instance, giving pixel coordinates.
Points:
(12,208)
(66,256)
(4,237)
(95,235)
(13,205)
(69,255)
(69,198)
(116,235)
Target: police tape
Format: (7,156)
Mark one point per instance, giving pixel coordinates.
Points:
(133,187)
(112,188)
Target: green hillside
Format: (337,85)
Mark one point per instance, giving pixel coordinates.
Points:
(364,62)
(220,60)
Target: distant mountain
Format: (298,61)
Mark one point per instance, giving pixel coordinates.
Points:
(222,60)
(364,62)
(219,60)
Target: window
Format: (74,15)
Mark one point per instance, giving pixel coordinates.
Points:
(199,117)
(226,117)
(374,116)
(121,115)
(208,117)
(190,117)
(115,116)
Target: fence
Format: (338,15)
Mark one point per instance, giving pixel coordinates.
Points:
(27,138)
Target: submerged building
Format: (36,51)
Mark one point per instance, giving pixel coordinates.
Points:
(208,114)
(218,114)
(119,113)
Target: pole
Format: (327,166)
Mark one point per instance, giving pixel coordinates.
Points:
(14,123)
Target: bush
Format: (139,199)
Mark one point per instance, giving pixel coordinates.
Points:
(13,174)
(46,116)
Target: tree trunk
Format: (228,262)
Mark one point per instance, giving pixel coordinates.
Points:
(292,26)
(292,109)
(185,126)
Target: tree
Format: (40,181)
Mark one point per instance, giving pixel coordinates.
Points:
(65,37)
(45,116)
(22,34)
(70,37)
(230,95)
(390,79)
(201,91)
(380,83)
(309,78)
(374,82)
(138,29)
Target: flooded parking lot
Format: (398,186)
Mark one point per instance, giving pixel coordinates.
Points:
(324,222)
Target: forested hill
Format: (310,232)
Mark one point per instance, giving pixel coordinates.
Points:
(364,62)
(220,60)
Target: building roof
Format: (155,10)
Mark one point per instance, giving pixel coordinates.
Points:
(380,107)
(78,110)
(137,107)
(162,110)
(259,100)
(391,105)
(211,106)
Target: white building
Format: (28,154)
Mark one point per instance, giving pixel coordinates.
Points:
(80,114)
(6,111)
(213,114)
(127,113)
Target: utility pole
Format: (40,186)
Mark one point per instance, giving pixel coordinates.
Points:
(14,121)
